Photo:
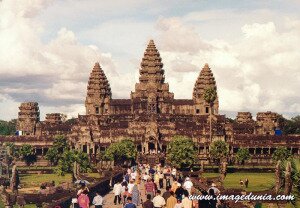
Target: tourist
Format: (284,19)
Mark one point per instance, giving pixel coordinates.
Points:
(125,194)
(171,201)
(117,192)
(98,201)
(129,203)
(214,187)
(82,188)
(213,199)
(148,203)
(158,200)
(178,204)
(84,200)
(156,178)
(127,177)
(241,183)
(174,186)
(151,172)
(246,182)
(155,186)
(150,188)
(161,180)
(168,181)
(174,173)
(188,185)
(167,193)
(179,191)
(203,203)
(186,202)
(135,195)
(130,186)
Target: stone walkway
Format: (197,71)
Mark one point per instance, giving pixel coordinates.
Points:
(109,198)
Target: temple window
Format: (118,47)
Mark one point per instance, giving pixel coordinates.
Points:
(206,109)
(197,111)
(97,110)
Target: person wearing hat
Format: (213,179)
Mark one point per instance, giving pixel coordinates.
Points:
(188,185)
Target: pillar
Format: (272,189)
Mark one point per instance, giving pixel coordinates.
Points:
(254,151)
(269,150)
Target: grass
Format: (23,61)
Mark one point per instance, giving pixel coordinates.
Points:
(35,180)
(257,181)
(210,175)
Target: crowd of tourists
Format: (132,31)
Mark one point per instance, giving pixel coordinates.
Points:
(160,187)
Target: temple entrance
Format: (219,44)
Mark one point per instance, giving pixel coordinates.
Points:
(151,147)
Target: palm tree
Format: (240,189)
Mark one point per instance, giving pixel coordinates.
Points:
(210,95)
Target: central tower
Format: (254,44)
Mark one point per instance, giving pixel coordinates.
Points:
(152,94)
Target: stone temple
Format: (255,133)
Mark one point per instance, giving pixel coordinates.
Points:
(151,118)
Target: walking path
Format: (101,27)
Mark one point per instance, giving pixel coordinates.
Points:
(109,198)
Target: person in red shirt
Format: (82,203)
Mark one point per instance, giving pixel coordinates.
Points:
(84,200)
(150,188)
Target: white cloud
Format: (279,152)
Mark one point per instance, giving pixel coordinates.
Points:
(258,72)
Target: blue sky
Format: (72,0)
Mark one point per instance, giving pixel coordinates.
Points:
(48,48)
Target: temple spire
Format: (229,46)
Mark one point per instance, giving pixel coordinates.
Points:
(98,92)
(151,65)
(204,81)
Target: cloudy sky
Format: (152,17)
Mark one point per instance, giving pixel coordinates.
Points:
(48,48)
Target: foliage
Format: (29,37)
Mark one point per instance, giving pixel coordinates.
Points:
(242,155)
(291,126)
(210,95)
(281,153)
(55,152)
(69,157)
(27,154)
(53,155)
(8,127)
(121,151)
(181,152)
(218,150)
(12,150)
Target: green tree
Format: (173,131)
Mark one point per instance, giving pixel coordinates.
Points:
(210,95)
(8,127)
(281,153)
(121,151)
(181,152)
(69,157)
(218,150)
(27,154)
(242,155)
(291,126)
(55,152)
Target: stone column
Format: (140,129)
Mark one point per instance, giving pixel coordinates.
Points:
(269,150)
(254,151)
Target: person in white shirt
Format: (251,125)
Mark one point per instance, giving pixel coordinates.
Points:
(158,200)
(117,192)
(98,201)
(174,173)
(130,186)
(188,184)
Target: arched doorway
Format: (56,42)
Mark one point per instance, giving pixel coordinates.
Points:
(151,147)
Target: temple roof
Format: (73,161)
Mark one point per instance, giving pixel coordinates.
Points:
(205,80)
(151,65)
(98,84)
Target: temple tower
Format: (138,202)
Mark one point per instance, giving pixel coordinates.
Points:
(244,118)
(28,117)
(98,93)
(152,93)
(204,81)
